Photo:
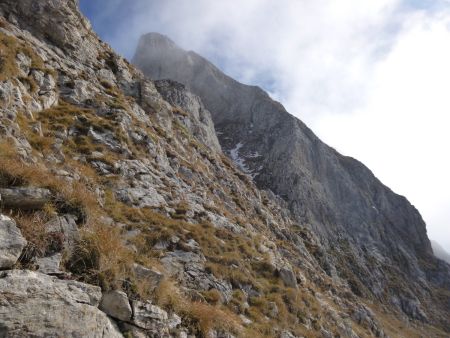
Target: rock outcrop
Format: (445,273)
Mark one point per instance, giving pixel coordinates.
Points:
(36,305)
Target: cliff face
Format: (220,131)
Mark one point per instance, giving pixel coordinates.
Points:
(120,214)
(340,199)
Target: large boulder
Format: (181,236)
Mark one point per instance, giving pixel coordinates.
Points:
(36,305)
(149,316)
(11,242)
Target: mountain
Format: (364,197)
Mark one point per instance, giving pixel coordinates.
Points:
(380,234)
(440,252)
(124,212)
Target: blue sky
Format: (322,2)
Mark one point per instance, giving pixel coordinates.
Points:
(109,17)
(370,77)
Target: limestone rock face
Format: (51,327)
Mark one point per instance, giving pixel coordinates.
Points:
(288,276)
(65,225)
(36,305)
(11,242)
(322,187)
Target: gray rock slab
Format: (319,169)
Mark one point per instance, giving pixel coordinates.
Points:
(11,242)
(37,305)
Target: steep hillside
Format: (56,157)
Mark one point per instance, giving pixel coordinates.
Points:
(371,237)
(121,217)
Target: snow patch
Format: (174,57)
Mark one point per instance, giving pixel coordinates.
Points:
(240,161)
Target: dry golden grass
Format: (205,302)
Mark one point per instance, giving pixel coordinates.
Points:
(213,296)
(65,115)
(201,317)
(73,195)
(223,249)
(40,242)
(10,46)
(101,257)
(212,317)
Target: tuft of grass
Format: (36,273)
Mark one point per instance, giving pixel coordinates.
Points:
(213,296)
(101,257)
(40,241)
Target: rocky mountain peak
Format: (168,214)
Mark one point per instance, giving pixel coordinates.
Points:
(156,40)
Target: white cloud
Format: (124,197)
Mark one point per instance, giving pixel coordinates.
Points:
(370,77)
(401,131)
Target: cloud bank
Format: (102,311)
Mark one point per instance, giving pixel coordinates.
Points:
(369,77)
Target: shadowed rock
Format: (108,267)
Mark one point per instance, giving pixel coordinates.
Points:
(25,198)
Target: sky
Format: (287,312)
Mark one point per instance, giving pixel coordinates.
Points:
(371,78)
